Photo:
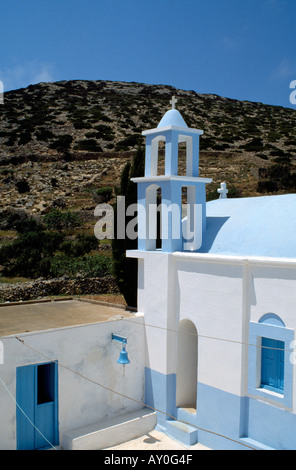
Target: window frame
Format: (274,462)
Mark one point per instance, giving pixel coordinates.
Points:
(257,331)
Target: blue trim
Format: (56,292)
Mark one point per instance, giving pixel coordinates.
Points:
(272,319)
(160,394)
(121,339)
(235,422)
(278,333)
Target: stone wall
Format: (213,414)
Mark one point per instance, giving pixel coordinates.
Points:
(47,287)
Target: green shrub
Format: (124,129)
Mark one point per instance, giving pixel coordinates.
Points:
(267,186)
(62,142)
(82,245)
(29,254)
(255,145)
(277,177)
(57,220)
(81,125)
(28,225)
(25,138)
(44,134)
(130,141)
(22,186)
(89,145)
(207,142)
(86,266)
(104,132)
(103,194)
(221,146)
(262,155)
(18,220)
(35,254)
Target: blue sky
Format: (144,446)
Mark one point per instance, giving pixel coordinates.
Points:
(241,49)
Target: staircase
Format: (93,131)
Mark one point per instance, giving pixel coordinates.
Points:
(182,432)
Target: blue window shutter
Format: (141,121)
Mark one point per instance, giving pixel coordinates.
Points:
(272,364)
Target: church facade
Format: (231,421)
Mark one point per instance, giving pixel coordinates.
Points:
(211,347)
(218,295)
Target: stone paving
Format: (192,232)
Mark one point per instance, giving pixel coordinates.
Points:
(154,441)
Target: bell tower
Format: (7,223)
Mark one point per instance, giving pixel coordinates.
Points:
(161,205)
(180,231)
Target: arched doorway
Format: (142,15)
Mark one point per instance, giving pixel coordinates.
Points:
(186,383)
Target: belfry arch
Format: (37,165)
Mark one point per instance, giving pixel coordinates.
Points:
(153,217)
(156,145)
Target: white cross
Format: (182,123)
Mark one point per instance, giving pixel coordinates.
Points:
(173,102)
(222,191)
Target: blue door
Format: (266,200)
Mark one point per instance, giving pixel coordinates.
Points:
(37,410)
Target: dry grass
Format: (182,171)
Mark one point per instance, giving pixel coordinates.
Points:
(110,298)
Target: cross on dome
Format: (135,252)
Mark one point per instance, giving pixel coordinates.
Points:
(173,102)
(222,191)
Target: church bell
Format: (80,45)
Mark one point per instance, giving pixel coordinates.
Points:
(123,357)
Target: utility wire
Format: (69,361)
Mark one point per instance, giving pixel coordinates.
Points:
(130,398)
(227,340)
(25,415)
(205,336)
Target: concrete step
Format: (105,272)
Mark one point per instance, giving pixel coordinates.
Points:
(110,432)
(182,432)
(256,444)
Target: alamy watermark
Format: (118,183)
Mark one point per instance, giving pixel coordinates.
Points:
(1,93)
(293,353)
(293,94)
(1,353)
(172,223)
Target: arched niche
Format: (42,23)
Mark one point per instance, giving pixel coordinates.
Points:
(272,319)
(187,363)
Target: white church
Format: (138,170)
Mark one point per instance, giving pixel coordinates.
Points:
(211,348)
(223,301)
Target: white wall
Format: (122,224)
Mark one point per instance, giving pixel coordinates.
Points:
(206,291)
(273,291)
(187,363)
(89,351)
(210,295)
(221,295)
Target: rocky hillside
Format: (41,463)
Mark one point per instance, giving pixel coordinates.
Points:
(61,141)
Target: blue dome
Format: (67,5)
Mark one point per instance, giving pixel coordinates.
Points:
(255,226)
(172,118)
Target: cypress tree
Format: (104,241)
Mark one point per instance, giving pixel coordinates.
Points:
(126,269)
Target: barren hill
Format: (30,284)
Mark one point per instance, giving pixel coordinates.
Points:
(59,141)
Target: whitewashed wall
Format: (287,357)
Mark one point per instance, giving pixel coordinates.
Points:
(210,295)
(222,296)
(89,351)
